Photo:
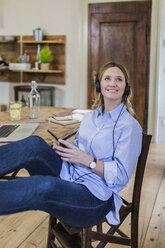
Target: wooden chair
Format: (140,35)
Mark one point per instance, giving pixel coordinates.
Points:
(70,237)
(46,93)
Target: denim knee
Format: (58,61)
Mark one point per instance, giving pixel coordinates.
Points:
(46,188)
(35,140)
(36,143)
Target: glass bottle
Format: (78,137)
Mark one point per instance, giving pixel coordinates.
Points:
(34,101)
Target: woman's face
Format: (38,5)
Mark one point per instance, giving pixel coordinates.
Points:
(113,85)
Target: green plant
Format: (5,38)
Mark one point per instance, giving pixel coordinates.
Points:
(45,55)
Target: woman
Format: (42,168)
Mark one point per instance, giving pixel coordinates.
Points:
(78,182)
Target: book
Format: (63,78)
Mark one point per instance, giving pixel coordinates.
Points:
(63,122)
(63,118)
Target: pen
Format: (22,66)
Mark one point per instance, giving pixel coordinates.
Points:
(70,135)
(37,122)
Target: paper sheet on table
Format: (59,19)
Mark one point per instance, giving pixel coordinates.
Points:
(81,111)
(78,114)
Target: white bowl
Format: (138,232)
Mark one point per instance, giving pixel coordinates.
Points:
(19,66)
(9,37)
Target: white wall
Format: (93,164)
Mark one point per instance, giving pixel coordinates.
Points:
(70,17)
(4,93)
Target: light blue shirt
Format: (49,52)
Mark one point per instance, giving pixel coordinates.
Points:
(95,137)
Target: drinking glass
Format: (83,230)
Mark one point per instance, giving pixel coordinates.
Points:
(15,111)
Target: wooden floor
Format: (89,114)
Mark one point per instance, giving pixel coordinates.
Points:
(29,229)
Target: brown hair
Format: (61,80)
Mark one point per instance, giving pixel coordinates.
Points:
(126,99)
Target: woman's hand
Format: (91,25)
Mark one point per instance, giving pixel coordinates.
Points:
(70,153)
(55,143)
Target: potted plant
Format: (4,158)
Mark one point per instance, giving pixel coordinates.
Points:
(45,57)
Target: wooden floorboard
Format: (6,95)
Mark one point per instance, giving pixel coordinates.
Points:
(29,229)
(16,228)
(156,231)
(38,238)
(151,185)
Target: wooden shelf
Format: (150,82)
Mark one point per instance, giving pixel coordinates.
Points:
(47,39)
(4,69)
(39,71)
(7,41)
(42,42)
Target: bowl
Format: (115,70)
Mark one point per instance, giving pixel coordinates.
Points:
(10,37)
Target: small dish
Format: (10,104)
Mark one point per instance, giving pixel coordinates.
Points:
(9,37)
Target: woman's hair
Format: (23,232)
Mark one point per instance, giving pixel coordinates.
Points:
(125,99)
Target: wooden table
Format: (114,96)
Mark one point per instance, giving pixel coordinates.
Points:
(45,113)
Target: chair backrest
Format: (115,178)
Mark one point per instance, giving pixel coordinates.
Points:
(140,171)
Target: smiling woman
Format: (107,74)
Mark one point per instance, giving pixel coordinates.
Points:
(113,77)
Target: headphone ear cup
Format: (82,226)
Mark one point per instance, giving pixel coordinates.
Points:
(127,89)
(97,83)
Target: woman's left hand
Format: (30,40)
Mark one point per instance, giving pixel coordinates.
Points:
(70,153)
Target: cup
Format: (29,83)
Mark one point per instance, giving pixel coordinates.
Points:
(37,34)
(15,111)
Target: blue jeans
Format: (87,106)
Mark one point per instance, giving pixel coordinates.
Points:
(43,189)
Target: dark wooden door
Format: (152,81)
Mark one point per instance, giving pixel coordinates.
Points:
(121,32)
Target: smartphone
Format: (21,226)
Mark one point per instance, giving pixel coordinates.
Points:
(55,137)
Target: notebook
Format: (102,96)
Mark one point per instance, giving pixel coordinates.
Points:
(63,122)
(13,132)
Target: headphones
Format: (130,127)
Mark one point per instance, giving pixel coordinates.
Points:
(98,88)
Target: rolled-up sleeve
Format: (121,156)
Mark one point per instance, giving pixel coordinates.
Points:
(127,150)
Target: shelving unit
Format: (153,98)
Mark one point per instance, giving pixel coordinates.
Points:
(56,74)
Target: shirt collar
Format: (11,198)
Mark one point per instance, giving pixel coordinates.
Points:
(114,113)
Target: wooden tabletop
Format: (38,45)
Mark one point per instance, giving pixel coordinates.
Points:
(45,113)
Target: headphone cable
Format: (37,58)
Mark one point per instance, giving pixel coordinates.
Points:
(113,147)
(113,132)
